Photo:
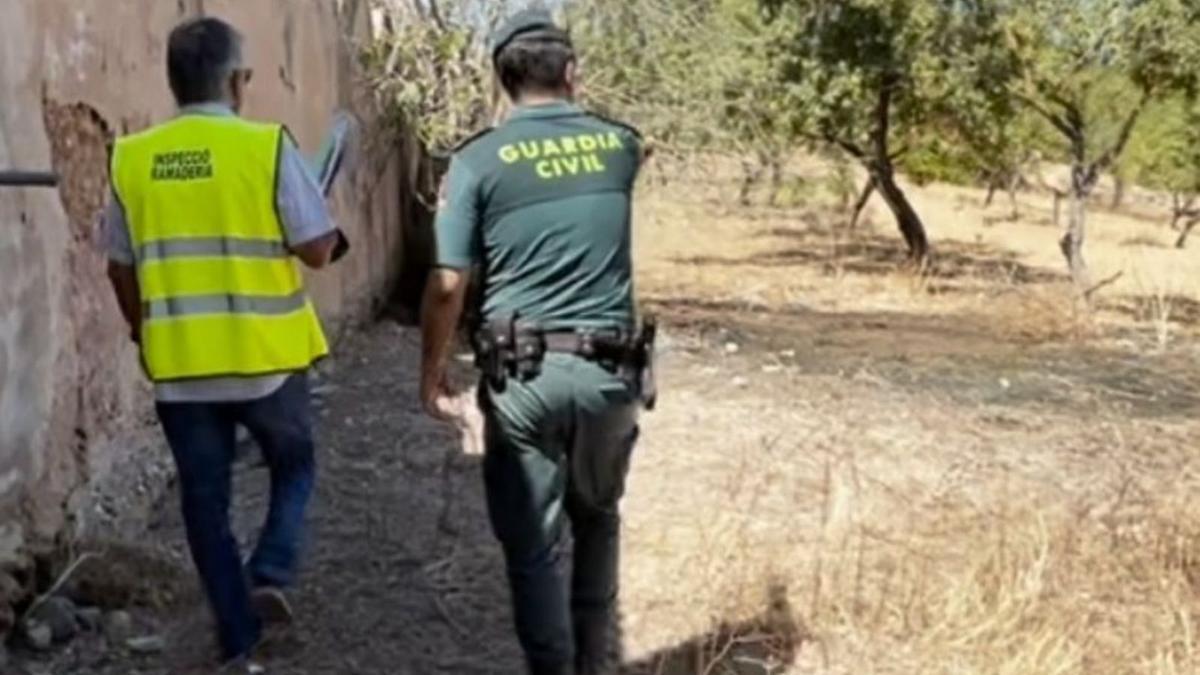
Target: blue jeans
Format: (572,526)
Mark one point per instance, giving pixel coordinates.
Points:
(203,441)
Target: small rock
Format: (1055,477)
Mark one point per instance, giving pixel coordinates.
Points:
(118,626)
(90,618)
(732,348)
(38,636)
(740,382)
(58,614)
(149,644)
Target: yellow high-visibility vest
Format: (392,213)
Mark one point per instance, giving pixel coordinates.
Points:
(221,294)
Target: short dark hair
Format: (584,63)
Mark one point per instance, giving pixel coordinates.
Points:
(201,55)
(534,65)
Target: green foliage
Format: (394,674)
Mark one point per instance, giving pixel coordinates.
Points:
(1091,68)
(942,159)
(849,64)
(431,73)
(973,88)
(1165,154)
(691,74)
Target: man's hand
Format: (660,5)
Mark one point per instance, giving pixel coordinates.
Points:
(439,400)
(441,309)
(125,288)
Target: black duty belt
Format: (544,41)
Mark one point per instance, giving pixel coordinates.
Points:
(506,348)
(605,345)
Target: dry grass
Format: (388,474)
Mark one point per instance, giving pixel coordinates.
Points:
(966,473)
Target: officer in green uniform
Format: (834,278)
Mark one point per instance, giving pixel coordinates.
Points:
(541,207)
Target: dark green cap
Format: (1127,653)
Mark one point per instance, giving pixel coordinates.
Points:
(528,24)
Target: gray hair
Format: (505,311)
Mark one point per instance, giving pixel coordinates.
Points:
(202,54)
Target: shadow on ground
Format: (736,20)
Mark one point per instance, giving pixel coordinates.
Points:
(871,254)
(764,645)
(962,358)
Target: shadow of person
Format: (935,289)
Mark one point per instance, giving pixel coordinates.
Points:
(764,645)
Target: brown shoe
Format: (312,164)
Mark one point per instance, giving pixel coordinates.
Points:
(271,605)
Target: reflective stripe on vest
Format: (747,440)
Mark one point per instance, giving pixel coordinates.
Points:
(221,295)
(266,305)
(212,247)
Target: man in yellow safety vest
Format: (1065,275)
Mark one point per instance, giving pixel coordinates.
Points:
(208,216)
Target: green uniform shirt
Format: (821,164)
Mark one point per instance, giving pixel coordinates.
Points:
(543,204)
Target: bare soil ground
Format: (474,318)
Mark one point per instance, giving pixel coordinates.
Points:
(852,470)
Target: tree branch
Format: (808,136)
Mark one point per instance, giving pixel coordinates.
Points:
(1087,294)
(1097,48)
(435,12)
(883,118)
(1057,121)
(850,147)
(1111,155)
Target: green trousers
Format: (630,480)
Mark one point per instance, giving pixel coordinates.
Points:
(557,454)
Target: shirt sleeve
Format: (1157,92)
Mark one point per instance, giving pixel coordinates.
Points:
(115,230)
(302,208)
(457,224)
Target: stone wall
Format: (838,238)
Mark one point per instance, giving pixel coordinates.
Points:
(74,73)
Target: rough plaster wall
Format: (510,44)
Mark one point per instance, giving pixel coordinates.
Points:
(73,73)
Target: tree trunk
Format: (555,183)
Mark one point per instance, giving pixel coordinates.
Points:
(987,201)
(1014,184)
(751,172)
(776,179)
(1187,229)
(1182,207)
(1072,241)
(1118,198)
(861,203)
(878,161)
(907,219)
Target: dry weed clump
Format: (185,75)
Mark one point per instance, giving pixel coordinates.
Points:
(994,583)
(1156,300)
(1041,314)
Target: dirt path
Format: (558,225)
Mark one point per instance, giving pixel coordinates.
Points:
(402,575)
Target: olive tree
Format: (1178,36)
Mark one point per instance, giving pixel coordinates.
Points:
(1091,68)
(1165,156)
(876,77)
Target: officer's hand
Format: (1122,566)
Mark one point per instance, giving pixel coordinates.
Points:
(439,401)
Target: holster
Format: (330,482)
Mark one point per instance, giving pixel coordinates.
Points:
(507,348)
(644,350)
